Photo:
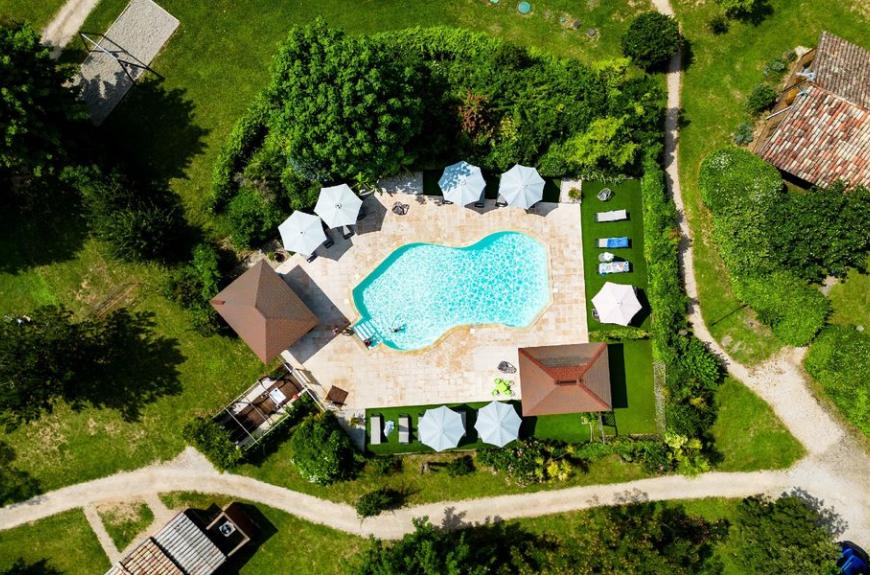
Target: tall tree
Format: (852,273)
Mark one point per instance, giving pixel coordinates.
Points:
(347,106)
(37,112)
(785,535)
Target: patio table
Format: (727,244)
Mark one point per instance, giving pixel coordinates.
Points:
(336,395)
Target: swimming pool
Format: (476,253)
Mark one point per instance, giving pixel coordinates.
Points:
(423,290)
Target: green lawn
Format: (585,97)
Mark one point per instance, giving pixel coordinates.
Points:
(748,434)
(124,521)
(284,543)
(721,71)
(850,300)
(626,196)
(37,12)
(64,542)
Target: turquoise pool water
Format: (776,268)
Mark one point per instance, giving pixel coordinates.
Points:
(422,290)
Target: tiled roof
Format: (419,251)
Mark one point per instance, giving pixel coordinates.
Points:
(843,68)
(564,378)
(825,135)
(822,139)
(146,559)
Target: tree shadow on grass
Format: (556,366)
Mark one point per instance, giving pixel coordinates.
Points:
(138,367)
(22,567)
(15,484)
(154,131)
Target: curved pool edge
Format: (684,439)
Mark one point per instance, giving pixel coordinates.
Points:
(358,317)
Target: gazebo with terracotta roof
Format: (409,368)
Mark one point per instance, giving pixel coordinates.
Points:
(570,378)
(264,311)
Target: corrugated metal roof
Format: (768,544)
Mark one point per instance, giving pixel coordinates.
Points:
(189,547)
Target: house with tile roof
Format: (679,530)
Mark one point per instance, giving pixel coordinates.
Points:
(819,130)
(569,378)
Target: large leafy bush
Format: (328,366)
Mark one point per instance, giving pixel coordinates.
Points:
(213,441)
(651,39)
(321,450)
(839,359)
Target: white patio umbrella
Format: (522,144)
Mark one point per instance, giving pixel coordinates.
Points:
(498,423)
(521,186)
(462,183)
(440,428)
(338,206)
(616,303)
(302,233)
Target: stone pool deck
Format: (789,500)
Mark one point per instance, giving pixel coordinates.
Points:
(462,365)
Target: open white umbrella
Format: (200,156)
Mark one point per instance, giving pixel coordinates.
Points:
(521,186)
(302,233)
(616,303)
(498,423)
(462,183)
(338,206)
(440,428)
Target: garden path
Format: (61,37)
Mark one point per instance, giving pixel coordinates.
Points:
(66,24)
(836,468)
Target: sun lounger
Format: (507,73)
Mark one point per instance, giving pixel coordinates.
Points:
(376,431)
(346,232)
(611,216)
(481,201)
(500,202)
(404,429)
(613,268)
(464,427)
(611,243)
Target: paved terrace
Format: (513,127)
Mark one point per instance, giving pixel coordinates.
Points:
(462,365)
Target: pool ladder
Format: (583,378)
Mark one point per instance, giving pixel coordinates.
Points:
(365,330)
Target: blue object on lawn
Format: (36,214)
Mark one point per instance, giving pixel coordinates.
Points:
(524,7)
(621,242)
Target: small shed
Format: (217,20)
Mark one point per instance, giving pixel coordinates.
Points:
(569,378)
(264,311)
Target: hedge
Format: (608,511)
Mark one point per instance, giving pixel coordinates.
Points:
(246,136)
(213,441)
(794,310)
(839,360)
(692,372)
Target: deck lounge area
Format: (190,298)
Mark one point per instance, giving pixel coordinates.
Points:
(250,416)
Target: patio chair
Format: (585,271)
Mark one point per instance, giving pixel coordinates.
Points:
(462,415)
(613,243)
(500,202)
(611,216)
(404,429)
(613,268)
(346,232)
(329,241)
(311,258)
(376,430)
(605,194)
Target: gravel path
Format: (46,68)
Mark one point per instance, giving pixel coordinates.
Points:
(99,530)
(66,24)
(836,469)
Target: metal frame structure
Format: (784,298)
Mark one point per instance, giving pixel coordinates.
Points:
(92,45)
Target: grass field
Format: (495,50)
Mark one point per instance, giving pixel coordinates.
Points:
(720,73)
(124,521)
(63,542)
(748,434)
(850,300)
(626,197)
(37,12)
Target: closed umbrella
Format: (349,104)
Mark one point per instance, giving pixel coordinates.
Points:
(440,428)
(498,423)
(521,186)
(616,303)
(302,233)
(338,206)
(462,183)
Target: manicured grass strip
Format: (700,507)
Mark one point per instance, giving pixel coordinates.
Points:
(65,542)
(850,300)
(123,522)
(37,12)
(748,434)
(626,197)
(283,543)
(631,378)
(713,100)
